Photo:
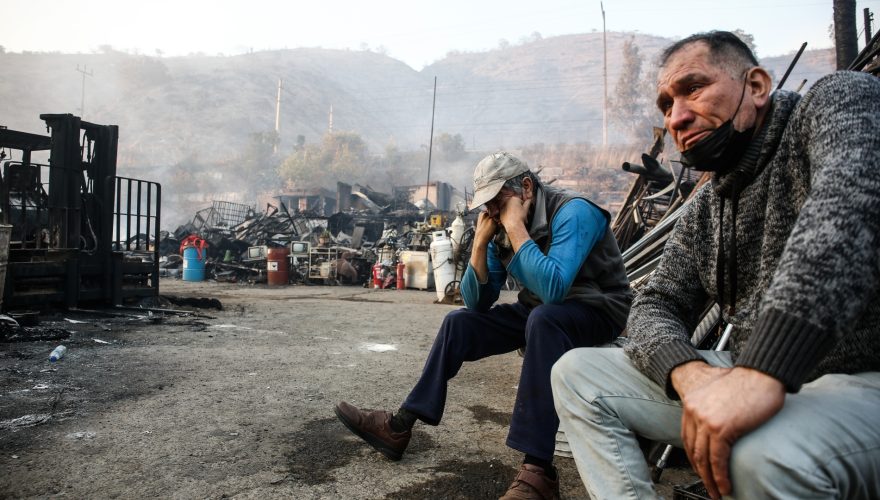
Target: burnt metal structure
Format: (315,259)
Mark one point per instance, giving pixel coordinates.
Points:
(80,233)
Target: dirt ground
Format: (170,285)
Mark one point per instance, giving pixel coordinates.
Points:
(239,402)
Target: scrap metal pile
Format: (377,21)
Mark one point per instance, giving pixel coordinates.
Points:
(656,199)
(653,204)
(340,249)
(868,59)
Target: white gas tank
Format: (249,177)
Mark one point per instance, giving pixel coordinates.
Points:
(442,262)
(456,231)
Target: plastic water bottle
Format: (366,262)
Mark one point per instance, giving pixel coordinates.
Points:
(57,354)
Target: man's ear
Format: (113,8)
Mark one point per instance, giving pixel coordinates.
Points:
(528,188)
(759,86)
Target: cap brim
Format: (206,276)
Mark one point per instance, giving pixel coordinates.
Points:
(486,193)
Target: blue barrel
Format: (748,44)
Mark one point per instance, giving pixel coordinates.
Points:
(193,266)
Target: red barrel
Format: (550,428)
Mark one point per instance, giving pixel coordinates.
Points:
(276,265)
(401,276)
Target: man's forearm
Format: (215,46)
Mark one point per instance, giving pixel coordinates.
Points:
(479,261)
(518,235)
(692,375)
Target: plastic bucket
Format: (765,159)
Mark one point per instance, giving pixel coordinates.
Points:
(193,265)
(276,266)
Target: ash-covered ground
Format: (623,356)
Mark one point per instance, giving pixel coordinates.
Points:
(239,402)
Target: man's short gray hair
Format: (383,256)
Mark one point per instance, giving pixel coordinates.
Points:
(725,48)
(516,183)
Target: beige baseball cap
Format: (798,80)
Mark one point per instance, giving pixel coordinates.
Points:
(491,174)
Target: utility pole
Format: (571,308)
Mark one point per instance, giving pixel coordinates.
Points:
(82,105)
(430,148)
(277,120)
(330,124)
(868,18)
(605,77)
(846,41)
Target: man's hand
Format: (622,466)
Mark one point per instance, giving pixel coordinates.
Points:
(513,216)
(486,228)
(720,405)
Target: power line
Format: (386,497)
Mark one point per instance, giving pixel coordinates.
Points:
(85,73)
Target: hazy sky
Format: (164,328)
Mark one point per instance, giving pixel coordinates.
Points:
(415,31)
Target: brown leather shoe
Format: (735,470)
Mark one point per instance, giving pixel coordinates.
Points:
(531,483)
(374,427)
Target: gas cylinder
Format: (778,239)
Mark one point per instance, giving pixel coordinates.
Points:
(441,261)
(401,276)
(377,275)
(456,231)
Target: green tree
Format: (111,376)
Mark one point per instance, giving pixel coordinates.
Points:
(632,111)
(341,156)
(747,39)
(259,162)
(450,147)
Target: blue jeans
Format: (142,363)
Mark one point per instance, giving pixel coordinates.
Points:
(824,443)
(546,332)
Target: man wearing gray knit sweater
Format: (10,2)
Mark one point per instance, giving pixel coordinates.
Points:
(786,238)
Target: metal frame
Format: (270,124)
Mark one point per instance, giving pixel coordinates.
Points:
(72,246)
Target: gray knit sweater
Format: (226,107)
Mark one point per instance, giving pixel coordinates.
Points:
(807,246)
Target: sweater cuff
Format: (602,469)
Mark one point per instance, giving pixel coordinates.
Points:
(666,358)
(786,347)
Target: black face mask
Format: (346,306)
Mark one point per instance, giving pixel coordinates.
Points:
(722,148)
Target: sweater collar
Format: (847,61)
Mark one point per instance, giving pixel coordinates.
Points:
(762,147)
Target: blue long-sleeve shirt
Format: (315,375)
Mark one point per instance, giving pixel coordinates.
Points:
(576,228)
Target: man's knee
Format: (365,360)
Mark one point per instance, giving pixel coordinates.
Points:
(759,468)
(543,315)
(568,365)
(544,324)
(754,467)
(458,318)
(564,370)
(457,324)
(582,369)
(595,361)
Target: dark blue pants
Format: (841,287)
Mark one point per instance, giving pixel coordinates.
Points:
(546,332)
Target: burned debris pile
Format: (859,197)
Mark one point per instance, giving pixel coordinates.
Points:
(376,242)
(653,203)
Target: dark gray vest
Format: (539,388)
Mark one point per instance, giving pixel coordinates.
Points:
(601,281)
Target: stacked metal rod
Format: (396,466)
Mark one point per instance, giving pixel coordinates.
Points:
(655,201)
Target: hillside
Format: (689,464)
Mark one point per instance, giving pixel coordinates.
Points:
(171,108)
(199,114)
(545,91)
